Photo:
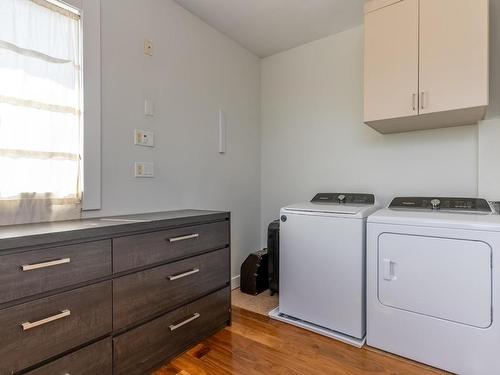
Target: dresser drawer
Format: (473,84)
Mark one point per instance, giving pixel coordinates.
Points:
(32,272)
(140,295)
(140,250)
(41,329)
(95,359)
(149,346)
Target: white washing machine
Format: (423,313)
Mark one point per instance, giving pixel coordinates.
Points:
(433,283)
(322,265)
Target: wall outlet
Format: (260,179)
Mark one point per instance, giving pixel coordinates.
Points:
(144,169)
(148,48)
(144,138)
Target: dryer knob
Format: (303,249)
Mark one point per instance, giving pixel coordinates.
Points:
(341,198)
(435,204)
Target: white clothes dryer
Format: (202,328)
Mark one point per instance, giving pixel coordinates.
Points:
(433,279)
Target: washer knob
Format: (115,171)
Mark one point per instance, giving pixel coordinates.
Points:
(435,204)
(341,198)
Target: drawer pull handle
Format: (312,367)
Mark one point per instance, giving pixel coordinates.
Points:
(183,238)
(183,274)
(29,325)
(173,327)
(31,267)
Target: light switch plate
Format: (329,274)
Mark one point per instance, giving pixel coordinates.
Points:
(148,47)
(149,108)
(144,169)
(144,138)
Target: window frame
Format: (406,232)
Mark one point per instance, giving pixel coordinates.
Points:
(91,49)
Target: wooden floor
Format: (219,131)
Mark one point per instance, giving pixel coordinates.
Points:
(255,344)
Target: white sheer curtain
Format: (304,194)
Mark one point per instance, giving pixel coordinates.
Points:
(40,112)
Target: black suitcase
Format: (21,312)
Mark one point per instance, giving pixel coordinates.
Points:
(273,249)
(254,274)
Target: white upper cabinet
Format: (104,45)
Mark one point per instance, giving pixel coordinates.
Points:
(391,62)
(453,54)
(426,63)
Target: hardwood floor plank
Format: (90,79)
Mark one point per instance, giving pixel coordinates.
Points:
(256,345)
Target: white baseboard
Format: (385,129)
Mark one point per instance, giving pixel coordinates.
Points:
(235,282)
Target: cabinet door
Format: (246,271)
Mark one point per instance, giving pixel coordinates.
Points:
(391,61)
(453,54)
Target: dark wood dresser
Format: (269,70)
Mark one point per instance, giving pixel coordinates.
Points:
(118,295)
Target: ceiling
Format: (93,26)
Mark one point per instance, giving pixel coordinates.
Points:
(266,27)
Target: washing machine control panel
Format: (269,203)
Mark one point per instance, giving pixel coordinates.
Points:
(344,198)
(439,203)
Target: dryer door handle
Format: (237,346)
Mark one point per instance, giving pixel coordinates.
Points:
(388,270)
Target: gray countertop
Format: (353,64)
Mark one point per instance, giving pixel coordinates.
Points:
(26,235)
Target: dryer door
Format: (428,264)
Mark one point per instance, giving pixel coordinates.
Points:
(444,278)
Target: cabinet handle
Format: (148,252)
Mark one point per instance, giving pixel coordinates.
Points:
(414,101)
(173,327)
(30,267)
(29,325)
(183,238)
(183,274)
(422,97)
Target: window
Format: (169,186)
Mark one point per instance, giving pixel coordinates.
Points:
(41,111)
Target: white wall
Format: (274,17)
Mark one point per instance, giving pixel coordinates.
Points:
(314,139)
(195,71)
(489,130)
(310,108)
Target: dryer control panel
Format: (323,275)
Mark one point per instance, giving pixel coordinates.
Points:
(344,198)
(440,203)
